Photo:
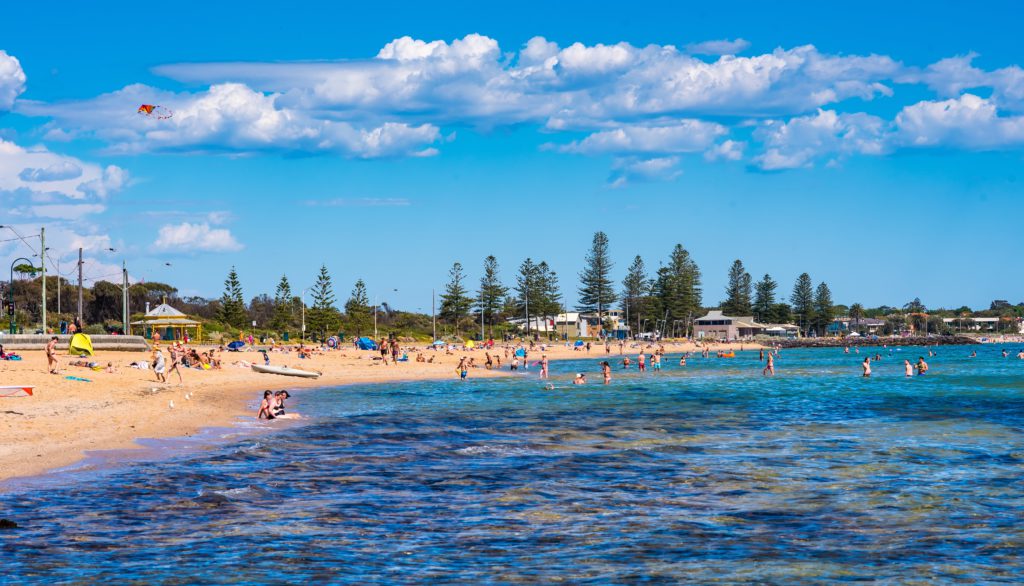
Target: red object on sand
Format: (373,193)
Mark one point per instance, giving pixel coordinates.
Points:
(16,391)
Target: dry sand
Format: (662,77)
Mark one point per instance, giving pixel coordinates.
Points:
(64,418)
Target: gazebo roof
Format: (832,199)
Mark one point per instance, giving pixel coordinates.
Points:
(164,311)
(169,321)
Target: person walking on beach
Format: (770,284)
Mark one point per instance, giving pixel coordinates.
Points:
(51,355)
(543,366)
(867,366)
(908,368)
(606,371)
(159,366)
(175,360)
(769,369)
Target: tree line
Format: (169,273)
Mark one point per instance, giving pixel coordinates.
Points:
(667,300)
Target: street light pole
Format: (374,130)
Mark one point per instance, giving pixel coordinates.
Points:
(42,263)
(433,312)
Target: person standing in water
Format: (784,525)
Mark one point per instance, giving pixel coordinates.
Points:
(867,366)
(606,371)
(769,369)
(922,366)
(543,366)
(908,368)
(641,362)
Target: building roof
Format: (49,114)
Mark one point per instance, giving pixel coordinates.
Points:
(169,321)
(163,310)
(740,322)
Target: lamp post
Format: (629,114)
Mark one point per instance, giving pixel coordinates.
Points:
(42,256)
(10,308)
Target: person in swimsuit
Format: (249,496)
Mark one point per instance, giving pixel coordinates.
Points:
(641,362)
(606,371)
(922,366)
(174,364)
(867,366)
(769,369)
(908,368)
(682,359)
(266,407)
(581,379)
(656,362)
(625,362)
(51,355)
(543,366)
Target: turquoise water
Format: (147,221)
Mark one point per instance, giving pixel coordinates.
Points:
(706,474)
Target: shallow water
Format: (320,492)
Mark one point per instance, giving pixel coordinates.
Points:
(708,473)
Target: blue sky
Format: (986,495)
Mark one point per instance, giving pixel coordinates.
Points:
(875,146)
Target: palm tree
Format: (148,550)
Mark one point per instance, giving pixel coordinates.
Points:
(856,313)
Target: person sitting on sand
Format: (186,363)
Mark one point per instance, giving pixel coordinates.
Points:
(110,368)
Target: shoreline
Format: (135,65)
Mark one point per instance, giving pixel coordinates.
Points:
(66,421)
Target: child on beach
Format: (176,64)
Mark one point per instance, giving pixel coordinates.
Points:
(158,366)
(265,411)
(51,355)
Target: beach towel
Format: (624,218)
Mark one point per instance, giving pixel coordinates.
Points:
(78,378)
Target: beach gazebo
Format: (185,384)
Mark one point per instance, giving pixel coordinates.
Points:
(170,323)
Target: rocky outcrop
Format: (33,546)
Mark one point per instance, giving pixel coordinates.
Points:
(99,342)
(869,341)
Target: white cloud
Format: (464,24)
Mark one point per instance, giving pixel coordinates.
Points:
(188,237)
(727,150)
(966,122)
(12,80)
(63,169)
(801,140)
(718,47)
(628,170)
(37,174)
(682,136)
(228,117)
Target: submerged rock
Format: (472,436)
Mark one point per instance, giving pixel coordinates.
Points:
(8,524)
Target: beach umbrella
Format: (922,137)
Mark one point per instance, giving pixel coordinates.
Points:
(236,345)
(438,343)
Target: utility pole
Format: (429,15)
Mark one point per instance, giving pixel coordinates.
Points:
(42,263)
(58,285)
(433,312)
(80,287)
(481,314)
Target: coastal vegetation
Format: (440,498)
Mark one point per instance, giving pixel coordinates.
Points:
(669,301)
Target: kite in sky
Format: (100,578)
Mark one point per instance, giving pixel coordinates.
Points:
(155,111)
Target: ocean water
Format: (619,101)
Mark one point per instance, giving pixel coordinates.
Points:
(704,474)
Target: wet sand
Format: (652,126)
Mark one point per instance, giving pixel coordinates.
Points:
(65,418)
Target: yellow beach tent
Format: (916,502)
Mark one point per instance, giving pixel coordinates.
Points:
(81,345)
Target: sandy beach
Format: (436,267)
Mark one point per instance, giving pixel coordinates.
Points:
(65,418)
